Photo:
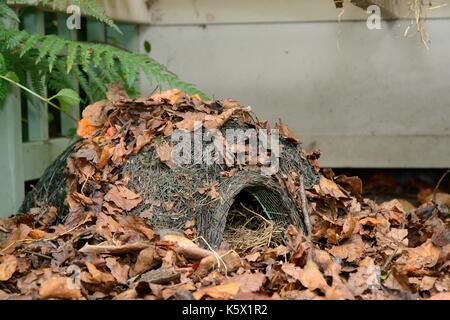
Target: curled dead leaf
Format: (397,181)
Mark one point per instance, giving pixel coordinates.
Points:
(123,198)
(8,266)
(221,292)
(58,287)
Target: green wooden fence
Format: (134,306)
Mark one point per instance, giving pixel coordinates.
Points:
(24,157)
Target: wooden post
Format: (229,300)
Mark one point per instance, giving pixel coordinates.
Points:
(12,188)
(37,111)
(67,123)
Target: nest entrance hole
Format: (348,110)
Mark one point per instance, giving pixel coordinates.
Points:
(256,219)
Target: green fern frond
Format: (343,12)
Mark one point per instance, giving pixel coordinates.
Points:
(92,65)
(84,84)
(72,49)
(29,43)
(47,44)
(85,57)
(55,49)
(37,82)
(7,12)
(14,41)
(59,79)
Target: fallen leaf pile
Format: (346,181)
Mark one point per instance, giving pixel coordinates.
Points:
(358,249)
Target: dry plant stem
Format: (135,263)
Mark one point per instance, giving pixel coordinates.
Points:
(416,8)
(47,101)
(304,201)
(438,184)
(389,260)
(271,226)
(216,255)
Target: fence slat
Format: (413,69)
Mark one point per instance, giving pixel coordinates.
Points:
(95,31)
(67,123)
(37,111)
(11,162)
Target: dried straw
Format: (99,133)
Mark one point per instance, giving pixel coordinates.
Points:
(247,230)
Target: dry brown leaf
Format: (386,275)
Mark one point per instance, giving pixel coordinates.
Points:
(17,235)
(58,287)
(99,276)
(172,96)
(287,133)
(123,198)
(291,270)
(164,152)
(8,266)
(249,282)
(119,272)
(424,256)
(252,257)
(216,122)
(191,121)
(105,155)
(222,292)
(441,296)
(327,187)
(352,184)
(365,277)
(312,278)
(351,250)
(95,113)
(145,260)
(115,92)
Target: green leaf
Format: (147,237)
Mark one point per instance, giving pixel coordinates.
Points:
(71,133)
(67,97)
(147,46)
(6,11)
(12,76)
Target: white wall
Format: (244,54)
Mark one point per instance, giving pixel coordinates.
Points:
(379,100)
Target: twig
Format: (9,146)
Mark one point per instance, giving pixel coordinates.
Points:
(304,201)
(38,254)
(39,97)
(389,260)
(438,184)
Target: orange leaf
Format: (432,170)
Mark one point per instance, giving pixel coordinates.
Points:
(7,268)
(59,288)
(221,292)
(85,129)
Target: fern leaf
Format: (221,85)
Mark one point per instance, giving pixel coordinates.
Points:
(29,43)
(14,41)
(84,84)
(72,49)
(46,46)
(85,57)
(7,12)
(55,49)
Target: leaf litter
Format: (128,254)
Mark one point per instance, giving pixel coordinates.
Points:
(358,249)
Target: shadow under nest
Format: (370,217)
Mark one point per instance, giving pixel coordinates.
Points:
(251,209)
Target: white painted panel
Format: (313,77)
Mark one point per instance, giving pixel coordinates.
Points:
(181,12)
(12,187)
(378,84)
(39,155)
